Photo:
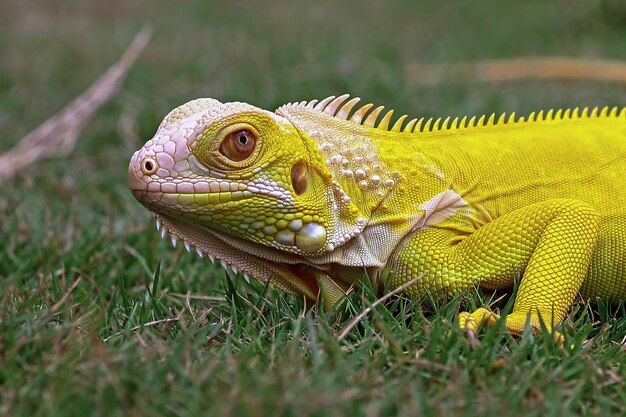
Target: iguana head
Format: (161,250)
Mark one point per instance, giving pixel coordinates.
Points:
(255,188)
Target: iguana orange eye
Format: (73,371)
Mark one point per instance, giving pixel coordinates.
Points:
(238,145)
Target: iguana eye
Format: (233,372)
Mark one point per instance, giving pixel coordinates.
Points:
(238,145)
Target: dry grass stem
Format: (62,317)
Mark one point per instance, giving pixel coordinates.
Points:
(58,135)
(515,69)
(382,299)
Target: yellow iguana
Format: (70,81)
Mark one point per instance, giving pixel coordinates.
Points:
(315,194)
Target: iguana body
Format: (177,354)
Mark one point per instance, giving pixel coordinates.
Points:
(313,196)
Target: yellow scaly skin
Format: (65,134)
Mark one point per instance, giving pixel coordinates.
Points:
(315,194)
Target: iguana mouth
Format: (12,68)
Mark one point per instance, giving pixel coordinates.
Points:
(155,199)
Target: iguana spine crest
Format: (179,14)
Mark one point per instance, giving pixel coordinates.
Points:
(334,106)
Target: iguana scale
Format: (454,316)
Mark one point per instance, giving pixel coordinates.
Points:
(316,194)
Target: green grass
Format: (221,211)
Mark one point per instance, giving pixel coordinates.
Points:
(98,316)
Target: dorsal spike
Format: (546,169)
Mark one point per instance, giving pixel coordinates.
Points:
(384,123)
(418,126)
(345,110)
(559,114)
(567,114)
(371,118)
(358,115)
(341,107)
(409,126)
(322,104)
(397,126)
(334,105)
(604,111)
(511,118)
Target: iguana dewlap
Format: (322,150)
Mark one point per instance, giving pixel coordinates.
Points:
(315,195)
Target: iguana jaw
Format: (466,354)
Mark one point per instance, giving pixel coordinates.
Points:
(232,254)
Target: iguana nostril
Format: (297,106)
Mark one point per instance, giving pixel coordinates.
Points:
(149,166)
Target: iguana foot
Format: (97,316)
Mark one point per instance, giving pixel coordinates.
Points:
(515,323)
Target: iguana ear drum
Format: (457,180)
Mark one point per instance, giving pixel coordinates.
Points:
(299,177)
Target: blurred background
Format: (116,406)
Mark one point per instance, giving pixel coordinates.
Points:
(73,217)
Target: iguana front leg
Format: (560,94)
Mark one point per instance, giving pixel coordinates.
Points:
(549,244)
